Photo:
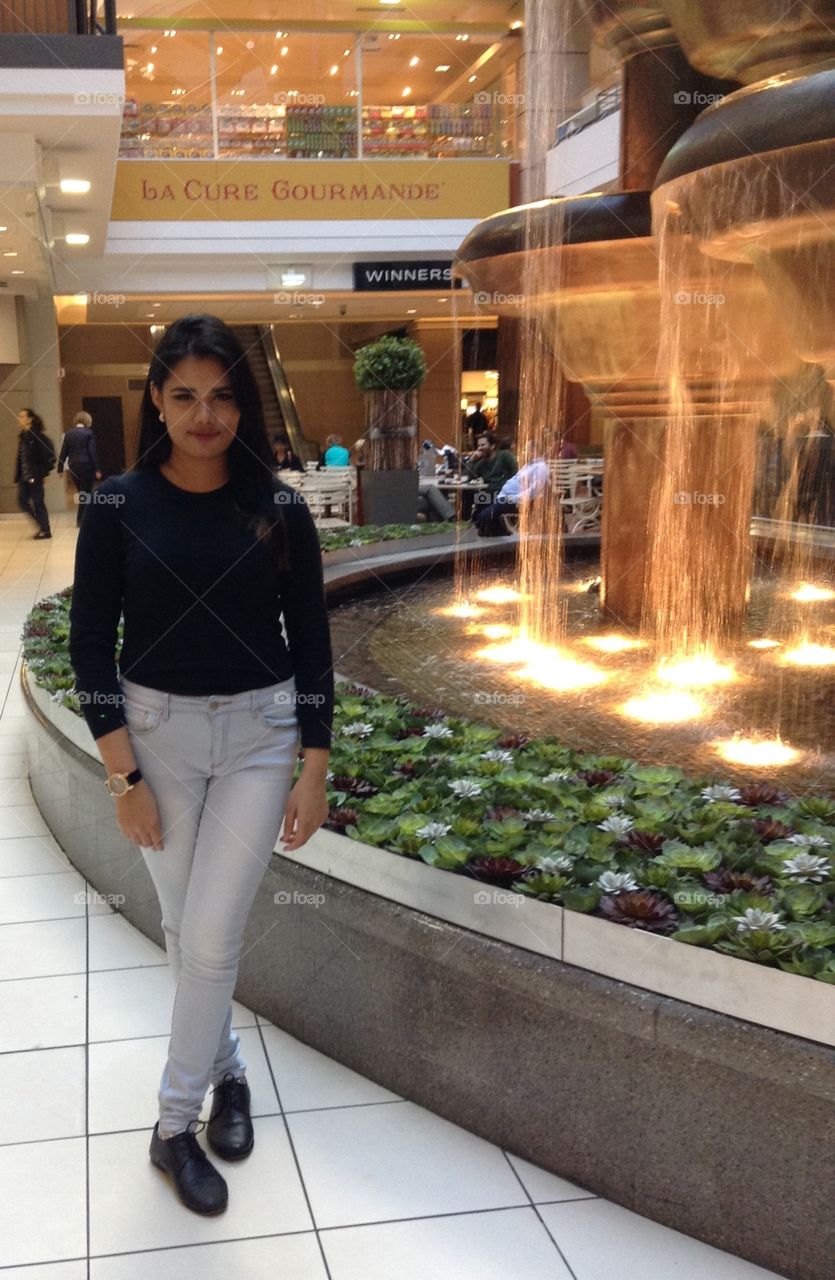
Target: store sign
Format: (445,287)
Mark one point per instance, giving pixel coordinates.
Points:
(389,277)
(307,190)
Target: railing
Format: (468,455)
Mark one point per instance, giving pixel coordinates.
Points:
(606,102)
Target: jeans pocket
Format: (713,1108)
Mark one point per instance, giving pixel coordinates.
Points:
(279,715)
(141,720)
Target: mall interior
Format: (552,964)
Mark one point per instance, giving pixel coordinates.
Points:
(550,993)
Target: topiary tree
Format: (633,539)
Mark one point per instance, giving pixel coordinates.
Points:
(389,372)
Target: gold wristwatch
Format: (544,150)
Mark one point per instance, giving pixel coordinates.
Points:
(119,784)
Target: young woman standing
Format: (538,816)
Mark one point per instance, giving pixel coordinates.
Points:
(203,550)
(35,460)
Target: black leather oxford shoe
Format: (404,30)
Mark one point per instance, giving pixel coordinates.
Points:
(196,1180)
(229,1130)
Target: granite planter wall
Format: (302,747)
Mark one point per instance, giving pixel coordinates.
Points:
(489,1013)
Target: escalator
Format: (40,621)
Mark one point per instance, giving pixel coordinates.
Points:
(279,405)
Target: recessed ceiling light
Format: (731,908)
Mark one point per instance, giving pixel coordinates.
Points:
(443,299)
(414,61)
(274,69)
(153,48)
(219,49)
(514,26)
(334,69)
(411,311)
(472,78)
(407,91)
(284,51)
(18,271)
(74,186)
(4,228)
(77,237)
(10,253)
(345,52)
(443,67)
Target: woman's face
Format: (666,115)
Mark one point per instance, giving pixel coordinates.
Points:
(198,403)
(24,417)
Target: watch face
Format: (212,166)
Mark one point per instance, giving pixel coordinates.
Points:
(117,785)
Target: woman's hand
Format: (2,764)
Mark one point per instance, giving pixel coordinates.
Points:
(307,808)
(138,816)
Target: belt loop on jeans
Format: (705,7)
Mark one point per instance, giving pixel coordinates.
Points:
(166,706)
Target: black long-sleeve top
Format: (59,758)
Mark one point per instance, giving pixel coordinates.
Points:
(78,451)
(202,600)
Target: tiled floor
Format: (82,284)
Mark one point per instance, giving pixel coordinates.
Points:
(346,1181)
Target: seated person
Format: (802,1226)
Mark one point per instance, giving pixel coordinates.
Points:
(335,455)
(490,463)
(568,452)
(528,482)
(434,504)
(285,459)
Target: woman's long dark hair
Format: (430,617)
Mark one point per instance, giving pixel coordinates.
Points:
(249,458)
(37,421)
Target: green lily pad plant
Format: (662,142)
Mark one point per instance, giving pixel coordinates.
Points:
(745,870)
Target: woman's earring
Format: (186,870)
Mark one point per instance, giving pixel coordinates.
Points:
(162,417)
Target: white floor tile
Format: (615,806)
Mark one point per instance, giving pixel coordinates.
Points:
(15,790)
(138,1002)
(42,1095)
(371,1164)
(601,1240)
(42,1213)
(501,1245)
(308,1079)
(14,766)
(543,1186)
(125,1076)
(289,1257)
(116,944)
(44,897)
(50,1271)
(18,820)
(133,1205)
(32,856)
(43,949)
(36,1013)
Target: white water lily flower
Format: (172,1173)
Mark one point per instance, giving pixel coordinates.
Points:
(617,825)
(616,881)
(806,868)
(820,842)
(465,788)
(558,775)
(357,729)
(538,815)
(755,918)
(613,799)
(552,863)
(355,542)
(437,731)
(496,755)
(721,792)
(433,830)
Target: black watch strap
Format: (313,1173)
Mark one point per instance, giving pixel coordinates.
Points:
(133,777)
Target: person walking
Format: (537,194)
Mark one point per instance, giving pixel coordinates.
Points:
(78,454)
(204,550)
(35,460)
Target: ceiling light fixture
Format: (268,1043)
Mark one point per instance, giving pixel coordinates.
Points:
(443,67)
(74,186)
(77,237)
(407,91)
(414,61)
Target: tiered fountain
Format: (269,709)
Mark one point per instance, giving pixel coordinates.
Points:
(687,313)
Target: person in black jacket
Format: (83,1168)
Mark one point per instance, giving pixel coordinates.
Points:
(78,454)
(35,460)
(205,552)
(285,459)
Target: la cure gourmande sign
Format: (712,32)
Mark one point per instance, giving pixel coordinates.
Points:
(307,190)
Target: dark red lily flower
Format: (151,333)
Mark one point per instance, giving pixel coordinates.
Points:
(757,793)
(501,811)
(353,786)
(724,880)
(769,829)
(500,871)
(339,819)
(597,777)
(513,740)
(649,841)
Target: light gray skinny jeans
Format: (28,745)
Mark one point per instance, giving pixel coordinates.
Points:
(220,768)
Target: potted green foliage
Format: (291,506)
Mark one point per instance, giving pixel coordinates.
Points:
(389,372)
